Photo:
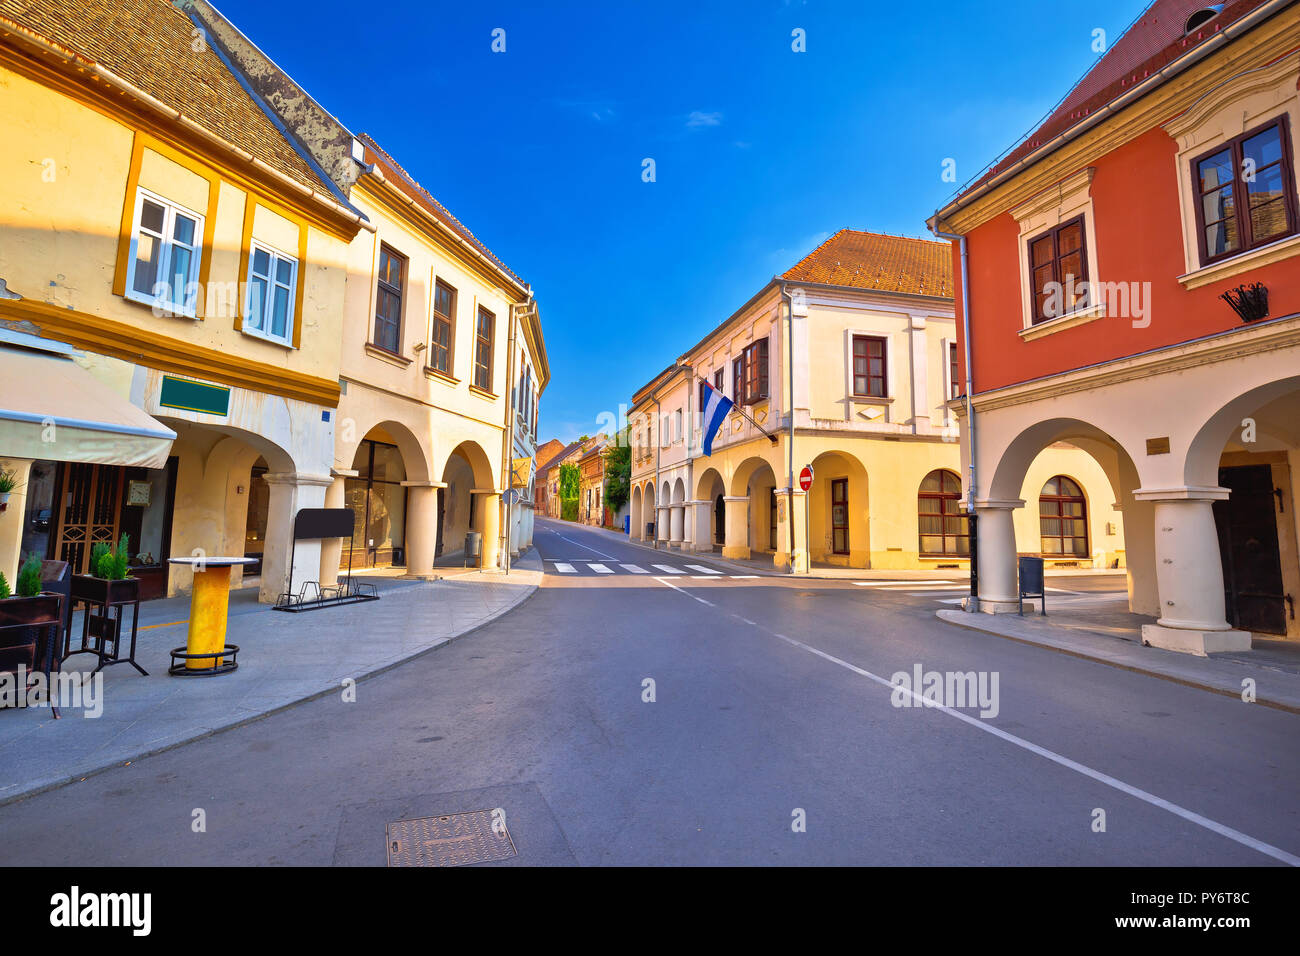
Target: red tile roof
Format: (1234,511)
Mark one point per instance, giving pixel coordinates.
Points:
(149,44)
(874,261)
(1150,43)
(404,181)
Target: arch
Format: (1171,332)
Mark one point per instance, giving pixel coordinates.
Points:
(942,529)
(839,525)
(1063,518)
(1201,466)
(634,511)
(1008,478)
(679,491)
(740,478)
(711,488)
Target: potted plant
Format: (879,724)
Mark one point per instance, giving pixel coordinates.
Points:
(8,484)
(109,581)
(30,605)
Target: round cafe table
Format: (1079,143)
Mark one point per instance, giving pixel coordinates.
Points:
(205,650)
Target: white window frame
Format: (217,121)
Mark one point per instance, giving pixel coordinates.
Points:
(188,309)
(260,332)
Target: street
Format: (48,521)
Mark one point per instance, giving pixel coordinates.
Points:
(767,736)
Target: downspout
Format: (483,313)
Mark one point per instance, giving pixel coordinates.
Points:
(971,517)
(789,362)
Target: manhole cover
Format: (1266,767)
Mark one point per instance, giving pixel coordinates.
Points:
(454,840)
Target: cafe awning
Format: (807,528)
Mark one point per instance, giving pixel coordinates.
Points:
(52,408)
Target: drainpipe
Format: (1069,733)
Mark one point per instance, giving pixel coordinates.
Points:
(789,362)
(971,517)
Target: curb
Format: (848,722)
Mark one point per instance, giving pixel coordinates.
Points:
(1120,665)
(528,592)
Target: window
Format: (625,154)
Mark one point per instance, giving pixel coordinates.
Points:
(272,288)
(954,372)
(444,317)
(704,398)
(388,301)
(718,382)
(943,528)
(163,266)
(677,425)
(1058,269)
(483,331)
(750,374)
(1228,222)
(869,378)
(1063,518)
(840,515)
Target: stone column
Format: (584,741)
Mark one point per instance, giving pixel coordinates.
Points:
(488,523)
(736,540)
(662,521)
(999,583)
(421,527)
(291,491)
(1189,573)
(331,549)
(698,526)
(677,525)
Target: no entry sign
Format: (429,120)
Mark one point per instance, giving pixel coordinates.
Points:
(806,478)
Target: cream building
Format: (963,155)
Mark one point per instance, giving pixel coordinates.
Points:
(172,271)
(869,321)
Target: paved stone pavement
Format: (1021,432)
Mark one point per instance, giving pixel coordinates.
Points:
(283,659)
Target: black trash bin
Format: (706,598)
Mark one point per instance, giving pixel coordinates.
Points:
(473,549)
(650,530)
(1031,583)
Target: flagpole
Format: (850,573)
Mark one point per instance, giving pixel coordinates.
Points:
(737,406)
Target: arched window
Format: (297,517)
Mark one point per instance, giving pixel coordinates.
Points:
(943,527)
(1063,518)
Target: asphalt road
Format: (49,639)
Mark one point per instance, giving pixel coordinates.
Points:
(771,698)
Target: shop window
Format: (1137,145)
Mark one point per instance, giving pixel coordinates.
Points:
(378,503)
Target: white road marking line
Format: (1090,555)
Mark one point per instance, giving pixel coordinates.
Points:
(667,568)
(687,593)
(915,582)
(599,568)
(706,577)
(702,569)
(743,577)
(565,568)
(1103,778)
(634,569)
(584,547)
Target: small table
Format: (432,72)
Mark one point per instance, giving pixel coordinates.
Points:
(206,651)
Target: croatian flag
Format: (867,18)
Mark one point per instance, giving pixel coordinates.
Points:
(714,413)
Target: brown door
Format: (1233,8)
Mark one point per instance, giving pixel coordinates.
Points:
(719,520)
(840,515)
(1248,546)
(88,512)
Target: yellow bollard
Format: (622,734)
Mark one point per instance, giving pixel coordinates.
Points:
(209,604)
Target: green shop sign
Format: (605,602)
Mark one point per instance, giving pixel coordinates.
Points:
(194,396)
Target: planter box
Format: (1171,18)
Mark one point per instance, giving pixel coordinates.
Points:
(87,587)
(20,618)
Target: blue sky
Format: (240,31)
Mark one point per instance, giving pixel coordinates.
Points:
(760,152)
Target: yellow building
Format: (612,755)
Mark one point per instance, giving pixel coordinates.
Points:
(869,321)
(173,271)
(443,366)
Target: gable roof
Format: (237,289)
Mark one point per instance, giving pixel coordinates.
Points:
(150,45)
(546,453)
(559,459)
(404,181)
(1153,41)
(878,262)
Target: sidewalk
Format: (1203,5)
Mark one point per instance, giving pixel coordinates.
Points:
(283,659)
(764,565)
(1111,635)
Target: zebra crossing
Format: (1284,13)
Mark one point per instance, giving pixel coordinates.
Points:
(694,572)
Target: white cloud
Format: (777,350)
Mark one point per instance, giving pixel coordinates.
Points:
(699,119)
